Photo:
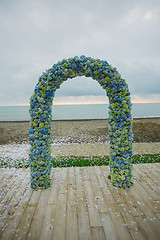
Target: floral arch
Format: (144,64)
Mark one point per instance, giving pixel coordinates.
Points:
(120,120)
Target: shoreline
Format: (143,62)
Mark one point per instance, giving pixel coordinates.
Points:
(79,120)
(21,151)
(79,137)
(80,131)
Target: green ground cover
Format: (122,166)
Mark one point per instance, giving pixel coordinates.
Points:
(82,161)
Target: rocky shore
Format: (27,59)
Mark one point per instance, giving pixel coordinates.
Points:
(78,138)
(145,130)
(81,131)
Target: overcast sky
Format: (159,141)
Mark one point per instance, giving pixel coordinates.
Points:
(35,34)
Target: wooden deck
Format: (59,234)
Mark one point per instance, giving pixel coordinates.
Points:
(81,204)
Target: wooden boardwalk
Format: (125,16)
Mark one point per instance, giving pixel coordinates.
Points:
(81,204)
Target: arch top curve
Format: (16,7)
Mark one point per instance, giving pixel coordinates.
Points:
(120,120)
(100,70)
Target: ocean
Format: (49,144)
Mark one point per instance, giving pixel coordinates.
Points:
(84,111)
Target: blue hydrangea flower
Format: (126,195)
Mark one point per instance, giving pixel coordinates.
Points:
(120,120)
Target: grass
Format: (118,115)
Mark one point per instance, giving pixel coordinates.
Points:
(74,161)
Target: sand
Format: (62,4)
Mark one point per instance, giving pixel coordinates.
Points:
(81,131)
(79,137)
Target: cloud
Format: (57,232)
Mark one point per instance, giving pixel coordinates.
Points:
(143,76)
(89,99)
(36,34)
(151,98)
(80,86)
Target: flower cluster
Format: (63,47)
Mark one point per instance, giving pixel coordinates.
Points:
(120,120)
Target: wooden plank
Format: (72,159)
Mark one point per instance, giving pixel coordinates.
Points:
(117,219)
(152,195)
(83,222)
(49,216)
(108,227)
(62,184)
(144,204)
(98,233)
(154,177)
(36,224)
(120,224)
(144,174)
(155,167)
(102,174)
(21,190)
(134,228)
(60,218)
(26,197)
(50,213)
(145,178)
(12,188)
(65,211)
(71,194)
(72,212)
(13,206)
(154,173)
(34,198)
(52,199)
(72,223)
(94,216)
(55,184)
(117,192)
(144,197)
(147,228)
(12,222)
(7,171)
(158,216)
(22,229)
(132,204)
(5,177)
(15,211)
(59,229)
(46,230)
(83,218)
(98,195)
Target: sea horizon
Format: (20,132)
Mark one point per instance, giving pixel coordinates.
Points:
(78,111)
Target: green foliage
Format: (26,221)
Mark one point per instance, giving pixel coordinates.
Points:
(146,158)
(82,161)
(120,119)
(74,161)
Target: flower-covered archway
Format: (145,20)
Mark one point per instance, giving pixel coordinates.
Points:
(120,120)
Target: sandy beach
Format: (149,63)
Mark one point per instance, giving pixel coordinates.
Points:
(81,131)
(79,137)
